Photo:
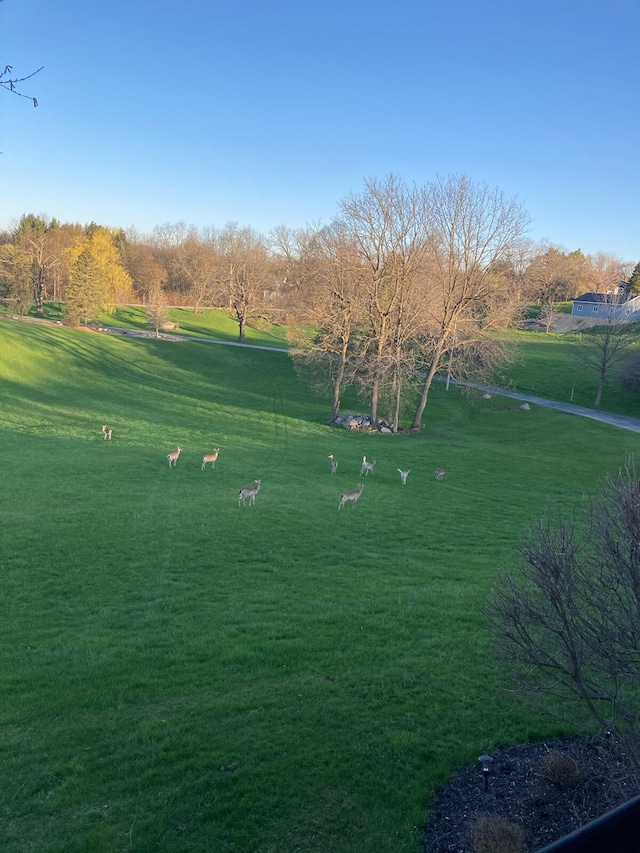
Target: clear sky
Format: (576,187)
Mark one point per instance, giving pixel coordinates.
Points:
(269,113)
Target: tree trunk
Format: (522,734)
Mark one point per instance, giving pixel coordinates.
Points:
(242,322)
(426,386)
(39,294)
(596,405)
(375,386)
(337,385)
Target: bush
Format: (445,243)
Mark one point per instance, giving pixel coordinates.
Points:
(494,834)
(568,616)
(558,767)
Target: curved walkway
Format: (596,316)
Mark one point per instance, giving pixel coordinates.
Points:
(620,421)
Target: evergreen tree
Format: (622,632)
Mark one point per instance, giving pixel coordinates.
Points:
(84,289)
(634,281)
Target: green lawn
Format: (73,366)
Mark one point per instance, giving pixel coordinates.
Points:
(208,324)
(182,674)
(547,367)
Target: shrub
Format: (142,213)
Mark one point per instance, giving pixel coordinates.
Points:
(494,834)
(560,768)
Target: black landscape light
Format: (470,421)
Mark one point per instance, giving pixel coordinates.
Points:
(486,761)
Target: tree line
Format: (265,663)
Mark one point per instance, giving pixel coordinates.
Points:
(404,282)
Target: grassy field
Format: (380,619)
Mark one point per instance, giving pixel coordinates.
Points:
(548,368)
(183,674)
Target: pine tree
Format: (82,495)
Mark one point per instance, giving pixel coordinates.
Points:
(84,289)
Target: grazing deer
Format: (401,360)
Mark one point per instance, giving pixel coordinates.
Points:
(404,475)
(173,457)
(249,492)
(350,496)
(441,474)
(334,463)
(210,457)
(366,466)
(107,432)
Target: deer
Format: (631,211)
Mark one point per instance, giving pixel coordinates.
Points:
(107,432)
(366,466)
(404,475)
(210,457)
(173,457)
(441,474)
(351,496)
(334,463)
(249,492)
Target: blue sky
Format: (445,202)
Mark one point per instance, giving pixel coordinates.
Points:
(264,114)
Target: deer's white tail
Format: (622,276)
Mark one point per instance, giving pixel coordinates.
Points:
(366,466)
(249,492)
(404,475)
(210,457)
(173,457)
(350,496)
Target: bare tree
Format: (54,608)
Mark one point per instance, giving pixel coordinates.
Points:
(146,270)
(606,272)
(16,278)
(36,237)
(329,300)
(190,259)
(471,230)
(386,224)
(244,272)
(554,276)
(156,308)
(605,345)
(568,615)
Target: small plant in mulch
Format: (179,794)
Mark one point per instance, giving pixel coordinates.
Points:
(494,834)
(560,769)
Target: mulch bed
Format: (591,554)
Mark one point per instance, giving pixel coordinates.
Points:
(547,789)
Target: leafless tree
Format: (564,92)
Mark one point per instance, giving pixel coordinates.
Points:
(329,301)
(605,345)
(147,272)
(191,261)
(244,272)
(568,615)
(554,276)
(471,229)
(387,226)
(606,271)
(156,307)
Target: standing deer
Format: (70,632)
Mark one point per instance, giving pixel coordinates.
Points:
(404,475)
(334,463)
(366,466)
(210,457)
(249,492)
(351,496)
(441,474)
(173,457)
(107,432)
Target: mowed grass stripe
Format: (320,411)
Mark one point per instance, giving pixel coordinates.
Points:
(180,673)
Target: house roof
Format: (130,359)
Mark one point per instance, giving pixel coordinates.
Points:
(602,298)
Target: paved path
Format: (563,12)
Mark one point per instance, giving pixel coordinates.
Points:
(621,421)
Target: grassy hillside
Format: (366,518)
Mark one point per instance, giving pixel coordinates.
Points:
(183,674)
(547,367)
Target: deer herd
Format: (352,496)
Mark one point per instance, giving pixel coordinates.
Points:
(249,492)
